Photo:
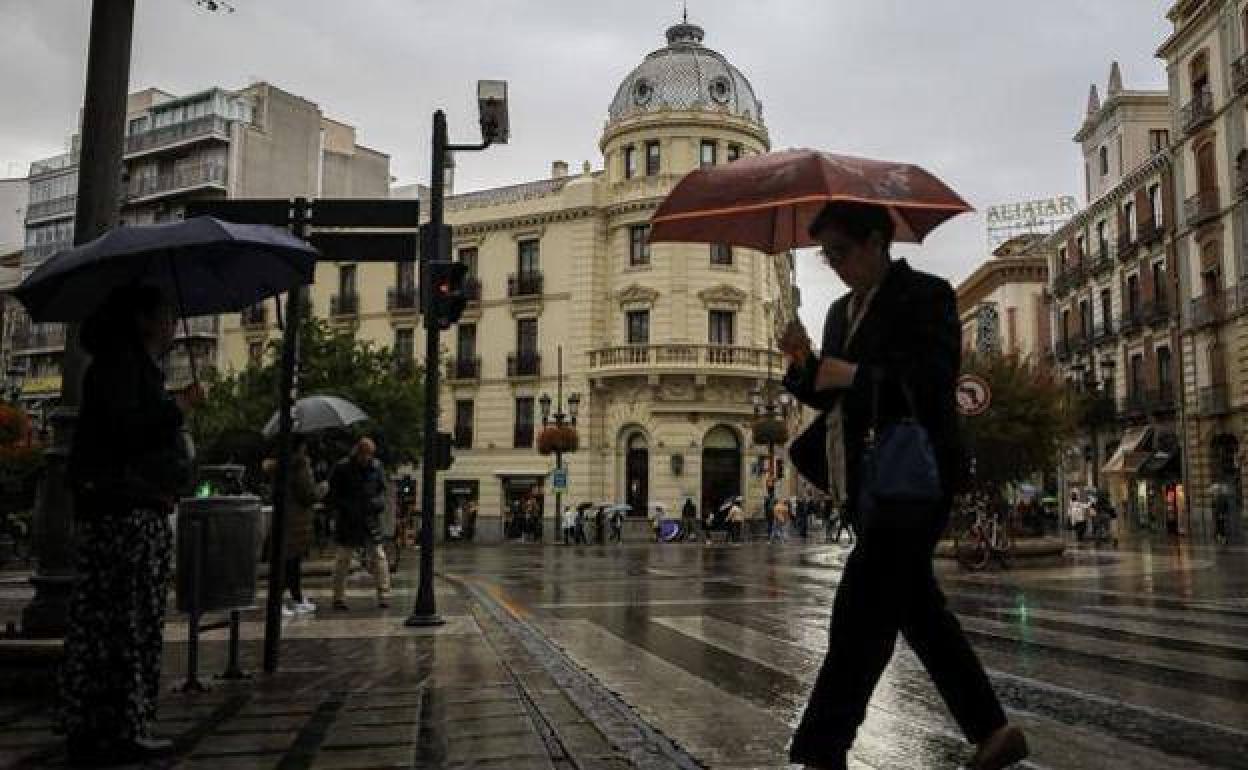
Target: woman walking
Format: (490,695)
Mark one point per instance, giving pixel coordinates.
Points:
(890,354)
(128,464)
(301,495)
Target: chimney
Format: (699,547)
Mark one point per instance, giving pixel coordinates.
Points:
(1094,102)
(1115,80)
(559,169)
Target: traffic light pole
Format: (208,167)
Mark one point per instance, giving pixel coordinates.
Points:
(425,611)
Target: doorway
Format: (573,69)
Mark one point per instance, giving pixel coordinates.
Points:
(637,475)
(721,468)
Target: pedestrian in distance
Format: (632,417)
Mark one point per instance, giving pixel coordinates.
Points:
(736,520)
(890,353)
(569,525)
(1078,516)
(128,465)
(581,537)
(617,525)
(689,520)
(357,493)
(302,493)
(779,521)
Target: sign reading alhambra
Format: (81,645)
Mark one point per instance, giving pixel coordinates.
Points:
(1036,212)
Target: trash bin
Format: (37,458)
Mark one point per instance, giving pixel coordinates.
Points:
(229,529)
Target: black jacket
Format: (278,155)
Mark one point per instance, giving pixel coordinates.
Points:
(128,449)
(911,335)
(357,494)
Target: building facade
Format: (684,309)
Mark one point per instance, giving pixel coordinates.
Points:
(663,343)
(1115,318)
(1004,304)
(259,141)
(1207,62)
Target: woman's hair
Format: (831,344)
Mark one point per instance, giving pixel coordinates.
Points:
(114,325)
(856,220)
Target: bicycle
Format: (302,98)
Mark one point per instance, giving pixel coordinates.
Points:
(987,537)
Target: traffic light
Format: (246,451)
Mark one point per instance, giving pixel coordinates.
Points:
(447,299)
(442,457)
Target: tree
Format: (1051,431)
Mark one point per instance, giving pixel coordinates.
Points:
(1032,416)
(381,383)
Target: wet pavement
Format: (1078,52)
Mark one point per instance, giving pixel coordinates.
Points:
(679,655)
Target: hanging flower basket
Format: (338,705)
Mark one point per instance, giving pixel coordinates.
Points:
(770,431)
(14,426)
(557,438)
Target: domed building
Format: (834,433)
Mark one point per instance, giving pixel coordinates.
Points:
(663,344)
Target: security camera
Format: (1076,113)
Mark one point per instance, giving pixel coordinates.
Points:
(492,105)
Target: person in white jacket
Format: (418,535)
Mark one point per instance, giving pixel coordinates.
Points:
(1078,515)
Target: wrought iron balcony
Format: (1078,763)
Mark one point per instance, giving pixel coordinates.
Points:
(525,364)
(206,127)
(1131,321)
(1157,310)
(256,315)
(1239,74)
(1128,247)
(1148,232)
(1207,310)
(202,326)
(405,299)
(342,305)
(1201,207)
(51,208)
(1197,112)
(523,437)
(527,284)
(188,178)
(1103,332)
(1214,400)
(466,368)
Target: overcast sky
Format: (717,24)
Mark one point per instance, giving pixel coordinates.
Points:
(984,93)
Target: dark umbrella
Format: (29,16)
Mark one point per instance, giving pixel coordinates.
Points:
(767,202)
(203,264)
(317,413)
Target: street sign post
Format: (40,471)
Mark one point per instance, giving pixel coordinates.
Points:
(559,479)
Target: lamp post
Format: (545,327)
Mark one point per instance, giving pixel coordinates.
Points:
(771,410)
(559,419)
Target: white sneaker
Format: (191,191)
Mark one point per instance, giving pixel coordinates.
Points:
(305,606)
(287,611)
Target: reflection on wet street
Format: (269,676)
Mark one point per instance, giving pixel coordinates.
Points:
(1135,658)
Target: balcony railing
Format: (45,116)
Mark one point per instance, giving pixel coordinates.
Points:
(524,364)
(1161,400)
(1128,247)
(202,326)
(1214,400)
(181,179)
(466,368)
(41,251)
(630,358)
(1239,74)
(1103,332)
(463,437)
(523,438)
(58,163)
(47,338)
(344,304)
(472,289)
(1148,232)
(1131,321)
(405,299)
(208,126)
(256,315)
(51,208)
(1102,263)
(525,284)
(1201,207)
(1157,310)
(1207,310)
(1134,405)
(1198,111)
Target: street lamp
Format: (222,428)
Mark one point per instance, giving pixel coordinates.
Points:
(771,411)
(560,420)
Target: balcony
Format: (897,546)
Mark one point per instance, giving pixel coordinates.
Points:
(1103,332)
(181,180)
(1075,275)
(41,251)
(1201,207)
(525,284)
(1214,400)
(201,326)
(631,360)
(177,135)
(1128,247)
(45,339)
(1161,401)
(52,165)
(467,368)
(1147,233)
(1157,310)
(472,288)
(1134,406)
(1131,321)
(525,364)
(256,315)
(1102,263)
(56,207)
(1239,74)
(405,299)
(1198,112)
(344,305)
(1208,310)
(523,437)
(463,437)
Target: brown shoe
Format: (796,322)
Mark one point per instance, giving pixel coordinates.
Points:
(1001,749)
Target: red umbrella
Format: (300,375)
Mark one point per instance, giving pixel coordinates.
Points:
(766,202)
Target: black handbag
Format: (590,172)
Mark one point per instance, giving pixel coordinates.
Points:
(899,467)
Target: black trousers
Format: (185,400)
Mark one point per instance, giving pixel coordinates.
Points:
(294,577)
(888,586)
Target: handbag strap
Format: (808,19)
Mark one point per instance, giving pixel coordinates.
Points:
(877,376)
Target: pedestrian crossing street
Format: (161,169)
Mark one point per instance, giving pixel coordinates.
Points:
(1099,677)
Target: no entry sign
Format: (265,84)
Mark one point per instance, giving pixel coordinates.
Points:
(973,395)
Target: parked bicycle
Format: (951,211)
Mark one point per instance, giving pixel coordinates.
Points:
(986,538)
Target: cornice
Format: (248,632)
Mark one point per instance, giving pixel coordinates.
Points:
(529,220)
(1109,200)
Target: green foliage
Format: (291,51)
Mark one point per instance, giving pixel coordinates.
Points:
(239,404)
(1031,417)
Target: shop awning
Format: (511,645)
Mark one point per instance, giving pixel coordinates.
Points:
(1162,464)
(1130,454)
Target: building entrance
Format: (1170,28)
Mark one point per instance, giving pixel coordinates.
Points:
(637,475)
(721,468)
(522,508)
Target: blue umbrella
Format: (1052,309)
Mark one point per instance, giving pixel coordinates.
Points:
(204,265)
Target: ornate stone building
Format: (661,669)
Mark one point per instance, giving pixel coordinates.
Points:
(663,343)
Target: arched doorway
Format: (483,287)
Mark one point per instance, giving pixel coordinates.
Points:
(721,467)
(637,474)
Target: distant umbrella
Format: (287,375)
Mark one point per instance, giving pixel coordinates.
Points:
(317,413)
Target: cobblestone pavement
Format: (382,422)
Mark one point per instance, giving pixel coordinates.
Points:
(670,656)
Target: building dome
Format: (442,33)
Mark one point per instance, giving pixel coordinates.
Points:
(686,75)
